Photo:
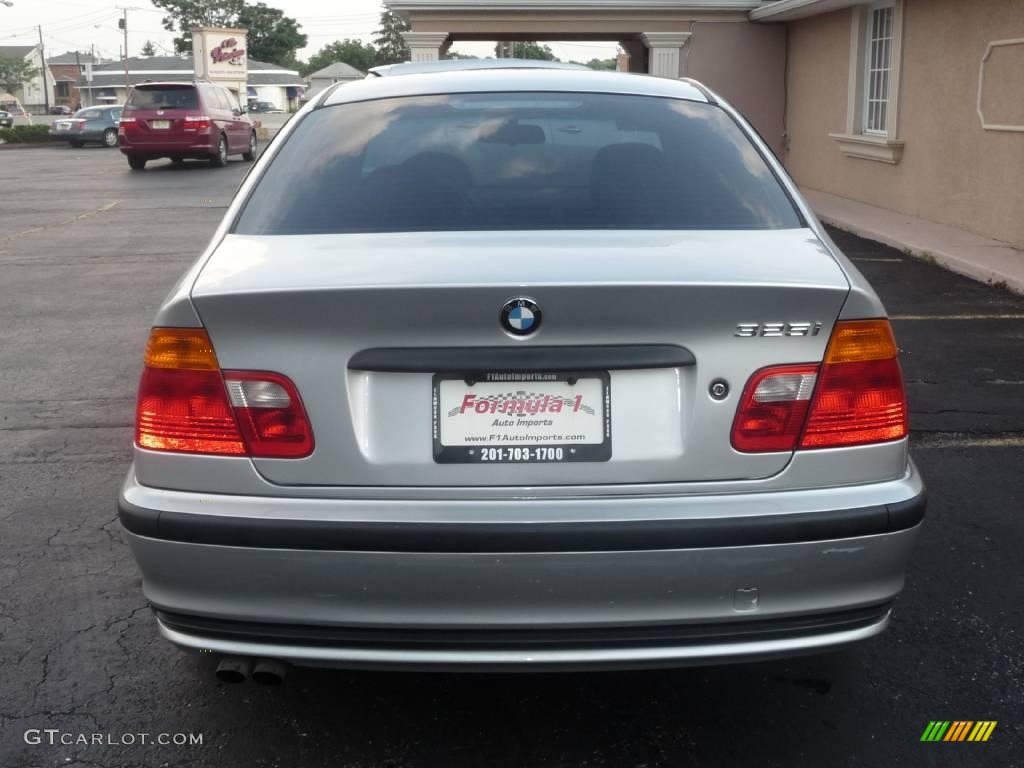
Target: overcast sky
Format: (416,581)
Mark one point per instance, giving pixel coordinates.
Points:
(77,24)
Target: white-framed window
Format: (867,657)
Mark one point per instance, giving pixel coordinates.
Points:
(872,114)
(881,21)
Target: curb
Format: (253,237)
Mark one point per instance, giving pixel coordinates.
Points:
(32,145)
(946,260)
(988,261)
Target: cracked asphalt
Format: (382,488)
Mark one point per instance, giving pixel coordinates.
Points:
(88,249)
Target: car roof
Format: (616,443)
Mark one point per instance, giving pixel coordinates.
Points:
(176,83)
(496,80)
(455,65)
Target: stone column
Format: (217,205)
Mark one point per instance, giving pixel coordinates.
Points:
(425,46)
(663,54)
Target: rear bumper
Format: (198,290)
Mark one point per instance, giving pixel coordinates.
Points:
(202,147)
(72,136)
(538,650)
(345,585)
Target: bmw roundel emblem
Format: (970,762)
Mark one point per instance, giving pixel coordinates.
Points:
(520,317)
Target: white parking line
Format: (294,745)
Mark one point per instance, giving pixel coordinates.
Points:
(78,217)
(924,440)
(958,317)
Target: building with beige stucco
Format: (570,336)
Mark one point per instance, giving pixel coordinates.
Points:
(914,106)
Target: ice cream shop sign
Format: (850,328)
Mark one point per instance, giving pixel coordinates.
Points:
(228,51)
(220,54)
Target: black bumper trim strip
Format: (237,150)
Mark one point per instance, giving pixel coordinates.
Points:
(548,359)
(534,638)
(612,536)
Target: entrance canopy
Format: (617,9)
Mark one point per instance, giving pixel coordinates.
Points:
(652,32)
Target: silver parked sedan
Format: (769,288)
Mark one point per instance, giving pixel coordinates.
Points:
(520,368)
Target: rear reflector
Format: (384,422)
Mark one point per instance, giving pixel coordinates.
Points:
(187,405)
(858,396)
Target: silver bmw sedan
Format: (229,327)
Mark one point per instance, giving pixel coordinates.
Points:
(520,368)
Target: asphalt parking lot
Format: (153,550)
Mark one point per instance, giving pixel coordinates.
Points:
(88,249)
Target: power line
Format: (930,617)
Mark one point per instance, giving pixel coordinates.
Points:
(63,25)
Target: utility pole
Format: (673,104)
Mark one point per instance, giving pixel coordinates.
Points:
(123,24)
(42,58)
(78,63)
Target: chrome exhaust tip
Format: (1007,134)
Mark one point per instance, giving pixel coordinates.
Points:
(233,669)
(269,672)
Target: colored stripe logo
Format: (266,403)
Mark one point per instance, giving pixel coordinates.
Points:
(958,730)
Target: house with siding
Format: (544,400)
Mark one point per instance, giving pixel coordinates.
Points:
(36,93)
(267,82)
(338,72)
(67,69)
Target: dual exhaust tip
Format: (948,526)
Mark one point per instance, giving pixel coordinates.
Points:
(237,669)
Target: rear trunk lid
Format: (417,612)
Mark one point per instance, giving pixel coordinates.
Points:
(163,114)
(306,305)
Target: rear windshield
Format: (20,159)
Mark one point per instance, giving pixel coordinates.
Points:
(514,161)
(163,97)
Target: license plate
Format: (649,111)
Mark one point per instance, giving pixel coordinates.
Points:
(62,126)
(522,418)
(160,124)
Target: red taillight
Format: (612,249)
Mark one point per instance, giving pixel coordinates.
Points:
(197,121)
(773,409)
(185,411)
(187,405)
(858,396)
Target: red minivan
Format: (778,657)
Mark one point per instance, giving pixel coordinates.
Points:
(184,120)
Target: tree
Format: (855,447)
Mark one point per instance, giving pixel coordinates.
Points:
(273,36)
(524,49)
(14,73)
(148,49)
(602,64)
(182,15)
(355,53)
(391,46)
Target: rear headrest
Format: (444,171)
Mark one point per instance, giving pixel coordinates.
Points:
(629,161)
(512,133)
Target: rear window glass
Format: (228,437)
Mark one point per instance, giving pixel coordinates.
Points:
(514,161)
(88,114)
(163,97)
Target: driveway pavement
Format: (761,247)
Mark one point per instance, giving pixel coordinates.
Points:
(88,249)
